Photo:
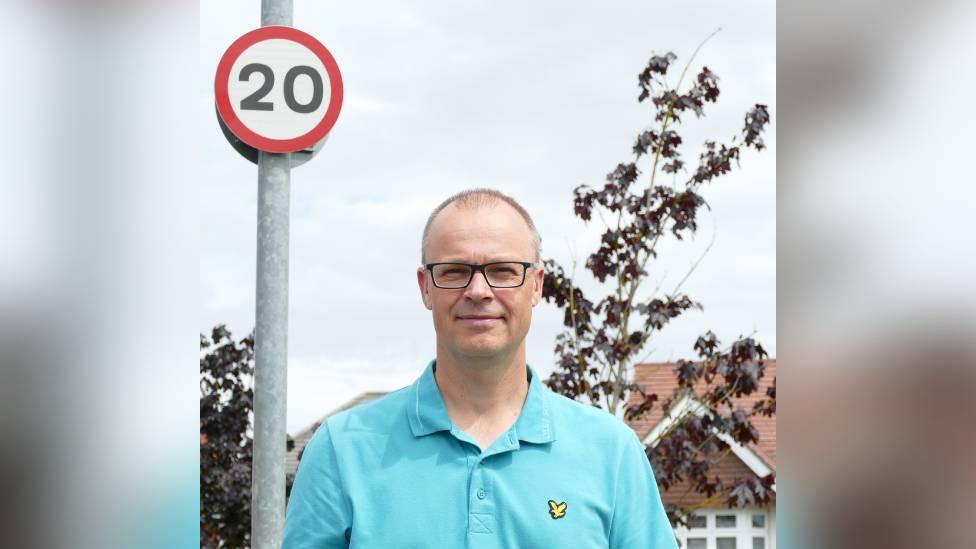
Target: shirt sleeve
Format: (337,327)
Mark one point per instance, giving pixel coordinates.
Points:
(638,519)
(319,514)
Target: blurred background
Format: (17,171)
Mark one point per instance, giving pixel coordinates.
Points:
(99,287)
(876,274)
(109,253)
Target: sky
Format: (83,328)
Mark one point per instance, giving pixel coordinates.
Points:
(533,99)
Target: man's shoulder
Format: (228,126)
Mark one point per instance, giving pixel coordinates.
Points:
(357,429)
(372,414)
(577,418)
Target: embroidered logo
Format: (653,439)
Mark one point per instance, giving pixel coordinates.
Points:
(557,510)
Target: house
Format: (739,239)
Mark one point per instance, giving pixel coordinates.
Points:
(713,527)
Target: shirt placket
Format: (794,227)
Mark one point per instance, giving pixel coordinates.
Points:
(481,518)
(482,504)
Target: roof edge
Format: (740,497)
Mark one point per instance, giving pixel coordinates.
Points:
(688,404)
(344,406)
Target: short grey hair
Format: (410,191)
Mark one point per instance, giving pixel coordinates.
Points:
(476,198)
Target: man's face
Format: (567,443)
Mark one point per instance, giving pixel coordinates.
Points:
(480,321)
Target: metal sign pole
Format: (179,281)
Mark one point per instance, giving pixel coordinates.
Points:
(271,333)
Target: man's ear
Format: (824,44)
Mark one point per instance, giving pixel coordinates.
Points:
(538,278)
(424,290)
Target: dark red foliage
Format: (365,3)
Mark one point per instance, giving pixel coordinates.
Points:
(756,121)
(600,340)
(658,64)
(226,447)
(752,492)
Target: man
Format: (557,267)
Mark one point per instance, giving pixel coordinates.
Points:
(477,452)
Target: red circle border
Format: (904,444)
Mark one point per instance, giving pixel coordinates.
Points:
(234,123)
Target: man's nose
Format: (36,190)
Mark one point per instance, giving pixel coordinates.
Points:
(478,288)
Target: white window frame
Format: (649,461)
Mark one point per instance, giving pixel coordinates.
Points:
(743,531)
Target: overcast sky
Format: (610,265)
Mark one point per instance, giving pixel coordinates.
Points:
(531,98)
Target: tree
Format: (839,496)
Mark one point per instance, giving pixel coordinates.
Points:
(601,340)
(226,442)
(226,401)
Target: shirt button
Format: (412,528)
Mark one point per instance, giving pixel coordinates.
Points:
(481,493)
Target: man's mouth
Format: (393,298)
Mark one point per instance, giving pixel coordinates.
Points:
(479,321)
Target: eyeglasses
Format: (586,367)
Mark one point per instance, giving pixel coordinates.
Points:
(498,274)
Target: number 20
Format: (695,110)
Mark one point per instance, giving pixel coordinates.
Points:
(253,102)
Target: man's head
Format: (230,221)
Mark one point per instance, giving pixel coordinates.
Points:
(477,227)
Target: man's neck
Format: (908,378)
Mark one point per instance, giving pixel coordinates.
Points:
(482,396)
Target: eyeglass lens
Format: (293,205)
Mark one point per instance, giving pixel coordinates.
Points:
(499,275)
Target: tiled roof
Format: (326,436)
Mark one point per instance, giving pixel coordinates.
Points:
(683,494)
(659,378)
(302,437)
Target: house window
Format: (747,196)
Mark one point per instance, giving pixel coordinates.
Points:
(725,543)
(725,529)
(725,521)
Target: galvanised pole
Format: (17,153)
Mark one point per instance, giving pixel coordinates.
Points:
(271,333)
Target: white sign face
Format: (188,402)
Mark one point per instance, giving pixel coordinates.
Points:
(278,89)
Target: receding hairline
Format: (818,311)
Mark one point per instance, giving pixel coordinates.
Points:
(480,198)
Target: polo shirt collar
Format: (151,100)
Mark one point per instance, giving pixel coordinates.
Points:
(534,423)
(426,410)
(427,413)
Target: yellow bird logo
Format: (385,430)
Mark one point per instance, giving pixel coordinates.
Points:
(557,510)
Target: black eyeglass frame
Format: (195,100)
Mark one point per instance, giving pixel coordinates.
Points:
(476,267)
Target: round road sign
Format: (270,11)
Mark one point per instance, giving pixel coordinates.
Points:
(278,89)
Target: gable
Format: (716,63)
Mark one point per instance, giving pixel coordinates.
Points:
(659,378)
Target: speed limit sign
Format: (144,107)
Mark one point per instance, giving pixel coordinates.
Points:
(278,89)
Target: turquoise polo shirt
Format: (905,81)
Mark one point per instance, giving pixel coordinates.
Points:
(396,473)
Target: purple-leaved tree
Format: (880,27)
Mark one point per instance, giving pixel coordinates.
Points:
(602,337)
(226,442)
